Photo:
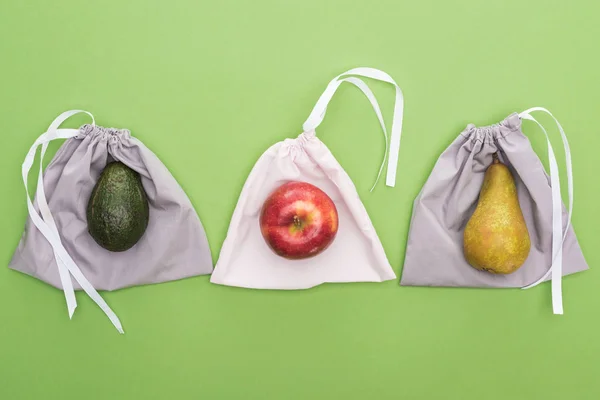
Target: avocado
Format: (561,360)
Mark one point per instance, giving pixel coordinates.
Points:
(118,212)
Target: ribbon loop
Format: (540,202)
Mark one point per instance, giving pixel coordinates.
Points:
(558,234)
(47,226)
(393,148)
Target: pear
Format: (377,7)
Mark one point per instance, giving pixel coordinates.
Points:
(496,238)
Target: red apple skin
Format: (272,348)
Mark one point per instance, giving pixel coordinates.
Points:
(298,220)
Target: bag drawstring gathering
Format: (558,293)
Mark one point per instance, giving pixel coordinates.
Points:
(47,226)
(392,146)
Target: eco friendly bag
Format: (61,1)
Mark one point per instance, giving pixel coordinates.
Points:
(56,244)
(434,253)
(356,254)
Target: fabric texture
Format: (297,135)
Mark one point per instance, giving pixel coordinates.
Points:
(434,253)
(174,245)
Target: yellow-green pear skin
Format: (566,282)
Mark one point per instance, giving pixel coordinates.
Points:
(496,238)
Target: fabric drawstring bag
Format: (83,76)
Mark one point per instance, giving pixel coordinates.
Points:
(434,253)
(56,246)
(356,254)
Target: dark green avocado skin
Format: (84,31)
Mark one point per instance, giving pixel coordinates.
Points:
(117,212)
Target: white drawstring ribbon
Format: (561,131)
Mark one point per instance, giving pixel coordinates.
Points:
(318,114)
(558,235)
(47,226)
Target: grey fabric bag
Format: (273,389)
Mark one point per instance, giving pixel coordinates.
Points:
(434,253)
(56,244)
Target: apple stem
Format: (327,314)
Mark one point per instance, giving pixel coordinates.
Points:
(297,222)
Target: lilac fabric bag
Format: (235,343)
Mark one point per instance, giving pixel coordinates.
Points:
(56,244)
(434,253)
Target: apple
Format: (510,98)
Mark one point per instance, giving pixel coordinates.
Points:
(298,220)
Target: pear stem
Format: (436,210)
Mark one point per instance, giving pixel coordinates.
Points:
(495,157)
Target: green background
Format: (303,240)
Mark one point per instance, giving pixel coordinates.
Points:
(208,86)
